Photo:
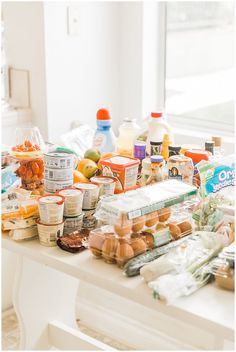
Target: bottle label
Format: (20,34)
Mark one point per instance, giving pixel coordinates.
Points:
(99,141)
(156,149)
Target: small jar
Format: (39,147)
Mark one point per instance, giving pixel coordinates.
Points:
(181,168)
(157,172)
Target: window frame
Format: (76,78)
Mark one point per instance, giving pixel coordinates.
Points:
(189,123)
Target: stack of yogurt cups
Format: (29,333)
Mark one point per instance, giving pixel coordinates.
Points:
(73,216)
(50,224)
(58,171)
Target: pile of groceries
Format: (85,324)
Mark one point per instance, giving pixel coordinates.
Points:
(151,207)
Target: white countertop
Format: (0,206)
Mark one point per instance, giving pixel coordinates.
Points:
(210,305)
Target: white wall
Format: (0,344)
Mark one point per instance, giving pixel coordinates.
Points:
(24,37)
(82,71)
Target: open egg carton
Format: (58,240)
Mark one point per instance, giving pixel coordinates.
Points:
(142,223)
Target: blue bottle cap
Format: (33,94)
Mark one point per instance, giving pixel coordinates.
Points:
(156,158)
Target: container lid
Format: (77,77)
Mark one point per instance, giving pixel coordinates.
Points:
(51,199)
(217,141)
(157,158)
(197,155)
(155,143)
(174,147)
(119,161)
(89,185)
(103,114)
(67,192)
(156,114)
(103,179)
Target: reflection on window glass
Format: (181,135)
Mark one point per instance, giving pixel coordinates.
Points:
(200,60)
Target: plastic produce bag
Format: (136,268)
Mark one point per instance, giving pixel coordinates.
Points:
(79,139)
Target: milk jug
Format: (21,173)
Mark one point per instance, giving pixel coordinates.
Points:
(158,127)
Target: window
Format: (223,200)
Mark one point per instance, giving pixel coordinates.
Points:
(199,84)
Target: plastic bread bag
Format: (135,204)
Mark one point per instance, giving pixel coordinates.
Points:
(169,287)
(217,177)
(24,234)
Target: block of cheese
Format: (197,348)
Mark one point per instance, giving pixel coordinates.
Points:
(24,234)
(18,224)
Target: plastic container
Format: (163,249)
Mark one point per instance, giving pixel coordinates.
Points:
(197,155)
(157,129)
(104,243)
(104,138)
(121,209)
(73,224)
(73,201)
(55,186)
(48,234)
(90,194)
(58,174)
(124,169)
(128,132)
(157,172)
(51,209)
(106,184)
(180,167)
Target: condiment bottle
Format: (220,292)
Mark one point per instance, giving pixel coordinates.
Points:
(157,169)
(104,138)
(180,167)
(174,150)
(218,152)
(128,132)
(165,147)
(139,153)
(209,146)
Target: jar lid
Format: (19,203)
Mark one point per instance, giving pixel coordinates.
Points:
(176,148)
(217,141)
(156,158)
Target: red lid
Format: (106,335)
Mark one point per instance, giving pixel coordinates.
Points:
(197,155)
(103,114)
(156,114)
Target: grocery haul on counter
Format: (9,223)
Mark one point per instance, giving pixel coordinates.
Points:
(141,202)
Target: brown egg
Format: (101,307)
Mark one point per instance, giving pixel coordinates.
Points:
(124,252)
(152,219)
(96,241)
(185,227)
(164,214)
(138,245)
(109,248)
(138,223)
(148,238)
(175,231)
(123,227)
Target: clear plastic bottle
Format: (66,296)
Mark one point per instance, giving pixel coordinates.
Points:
(104,138)
(218,152)
(128,132)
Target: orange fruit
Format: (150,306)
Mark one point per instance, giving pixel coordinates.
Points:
(79,177)
(87,167)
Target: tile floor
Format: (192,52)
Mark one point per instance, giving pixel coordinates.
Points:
(10,334)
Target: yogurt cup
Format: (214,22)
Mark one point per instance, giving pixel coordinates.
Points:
(90,194)
(107,184)
(73,201)
(48,234)
(51,208)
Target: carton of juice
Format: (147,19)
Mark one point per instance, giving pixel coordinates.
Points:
(124,169)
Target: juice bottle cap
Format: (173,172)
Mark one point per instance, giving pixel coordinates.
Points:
(103,114)
(156,114)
